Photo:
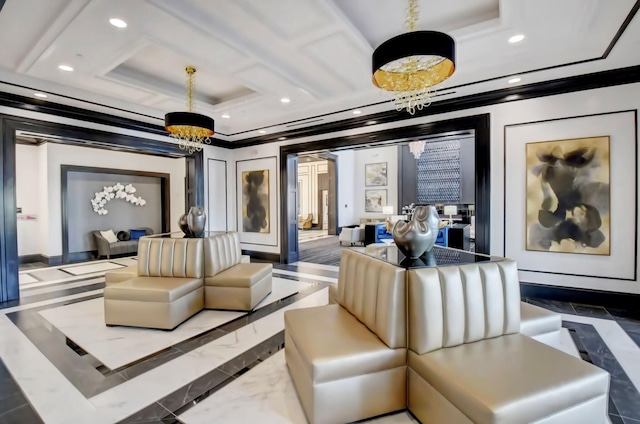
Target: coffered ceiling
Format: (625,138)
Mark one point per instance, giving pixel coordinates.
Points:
(317,53)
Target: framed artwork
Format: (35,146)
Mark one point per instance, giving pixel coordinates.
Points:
(570,191)
(375,174)
(255,201)
(256,194)
(374,200)
(568,196)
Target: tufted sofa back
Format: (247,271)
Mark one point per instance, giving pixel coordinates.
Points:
(167,257)
(221,251)
(375,293)
(452,305)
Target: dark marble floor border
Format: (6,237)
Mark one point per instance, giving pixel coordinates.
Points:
(24,292)
(624,398)
(91,377)
(52,295)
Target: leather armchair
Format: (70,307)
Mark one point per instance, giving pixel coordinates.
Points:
(305,223)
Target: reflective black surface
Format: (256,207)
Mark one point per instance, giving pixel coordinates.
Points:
(438,256)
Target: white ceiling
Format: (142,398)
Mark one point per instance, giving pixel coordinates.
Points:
(251,53)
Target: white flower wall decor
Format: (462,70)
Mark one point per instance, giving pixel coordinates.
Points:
(117,191)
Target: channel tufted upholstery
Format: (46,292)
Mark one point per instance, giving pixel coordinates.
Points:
(229,282)
(449,306)
(348,360)
(167,257)
(374,292)
(166,290)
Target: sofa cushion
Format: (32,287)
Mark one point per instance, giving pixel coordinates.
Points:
(241,275)
(119,275)
(509,379)
(535,320)
(334,345)
(152,289)
(169,257)
(221,251)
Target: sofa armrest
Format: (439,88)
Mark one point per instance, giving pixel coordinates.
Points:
(102,243)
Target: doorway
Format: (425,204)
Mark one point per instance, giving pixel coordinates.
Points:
(479,125)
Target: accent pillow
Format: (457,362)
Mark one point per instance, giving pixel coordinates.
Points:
(109,236)
(136,234)
(123,235)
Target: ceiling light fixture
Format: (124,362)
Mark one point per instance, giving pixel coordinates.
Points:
(412,64)
(516,38)
(285,100)
(65,68)
(417,148)
(371,122)
(514,80)
(262,131)
(191,129)
(118,23)
(282,138)
(226,116)
(41,95)
(357,112)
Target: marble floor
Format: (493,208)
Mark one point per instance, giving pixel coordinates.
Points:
(58,364)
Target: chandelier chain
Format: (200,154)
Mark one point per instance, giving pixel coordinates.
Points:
(413,12)
(191,83)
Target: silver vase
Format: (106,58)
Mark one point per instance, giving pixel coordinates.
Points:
(196,220)
(184,225)
(417,236)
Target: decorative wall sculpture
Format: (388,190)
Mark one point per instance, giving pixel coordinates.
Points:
(116,191)
(375,174)
(568,196)
(374,200)
(255,201)
(439,172)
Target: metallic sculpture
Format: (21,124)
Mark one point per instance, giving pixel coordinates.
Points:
(196,220)
(184,225)
(417,236)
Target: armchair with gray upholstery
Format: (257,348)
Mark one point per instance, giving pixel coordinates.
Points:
(118,248)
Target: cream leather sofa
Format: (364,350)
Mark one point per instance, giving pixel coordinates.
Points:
(229,283)
(467,360)
(348,360)
(168,287)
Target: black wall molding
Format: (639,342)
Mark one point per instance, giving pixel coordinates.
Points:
(263,256)
(479,123)
(583,296)
(226,190)
(9,261)
(165,201)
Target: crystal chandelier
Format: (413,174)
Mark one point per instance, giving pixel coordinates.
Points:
(412,64)
(417,148)
(191,129)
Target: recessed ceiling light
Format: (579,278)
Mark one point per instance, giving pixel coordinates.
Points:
(262,131)
(371,122)
(65,68)
(285,100)
(226,116)
(41,95)
(357,112)
(516,38)
(118,23)
(282,138)
(514,80)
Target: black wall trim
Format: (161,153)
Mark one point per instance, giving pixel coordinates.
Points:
(504,192)
(584,296)
(9,262)
(271,257)
(479,123)
(28,259)
(165,201)
(226,191)
(542,89)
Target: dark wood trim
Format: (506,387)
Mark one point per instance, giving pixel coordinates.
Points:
(504,192)
(584,296)
(226,191)
(239,224)
(82,256)
(264,256)
(2,2)
(73,135)
(28,259)
(479,123)
(165,199)
(52,260)
(542,89)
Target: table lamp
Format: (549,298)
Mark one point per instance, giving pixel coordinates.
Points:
(451,210)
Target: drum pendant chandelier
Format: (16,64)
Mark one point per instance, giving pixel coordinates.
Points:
(191,129)
(410,65)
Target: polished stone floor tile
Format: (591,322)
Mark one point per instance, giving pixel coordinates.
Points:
(21,415)
(591,311)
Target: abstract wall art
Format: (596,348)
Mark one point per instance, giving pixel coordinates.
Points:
(568,196)
(374,200)
(375,174)
(255,201)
